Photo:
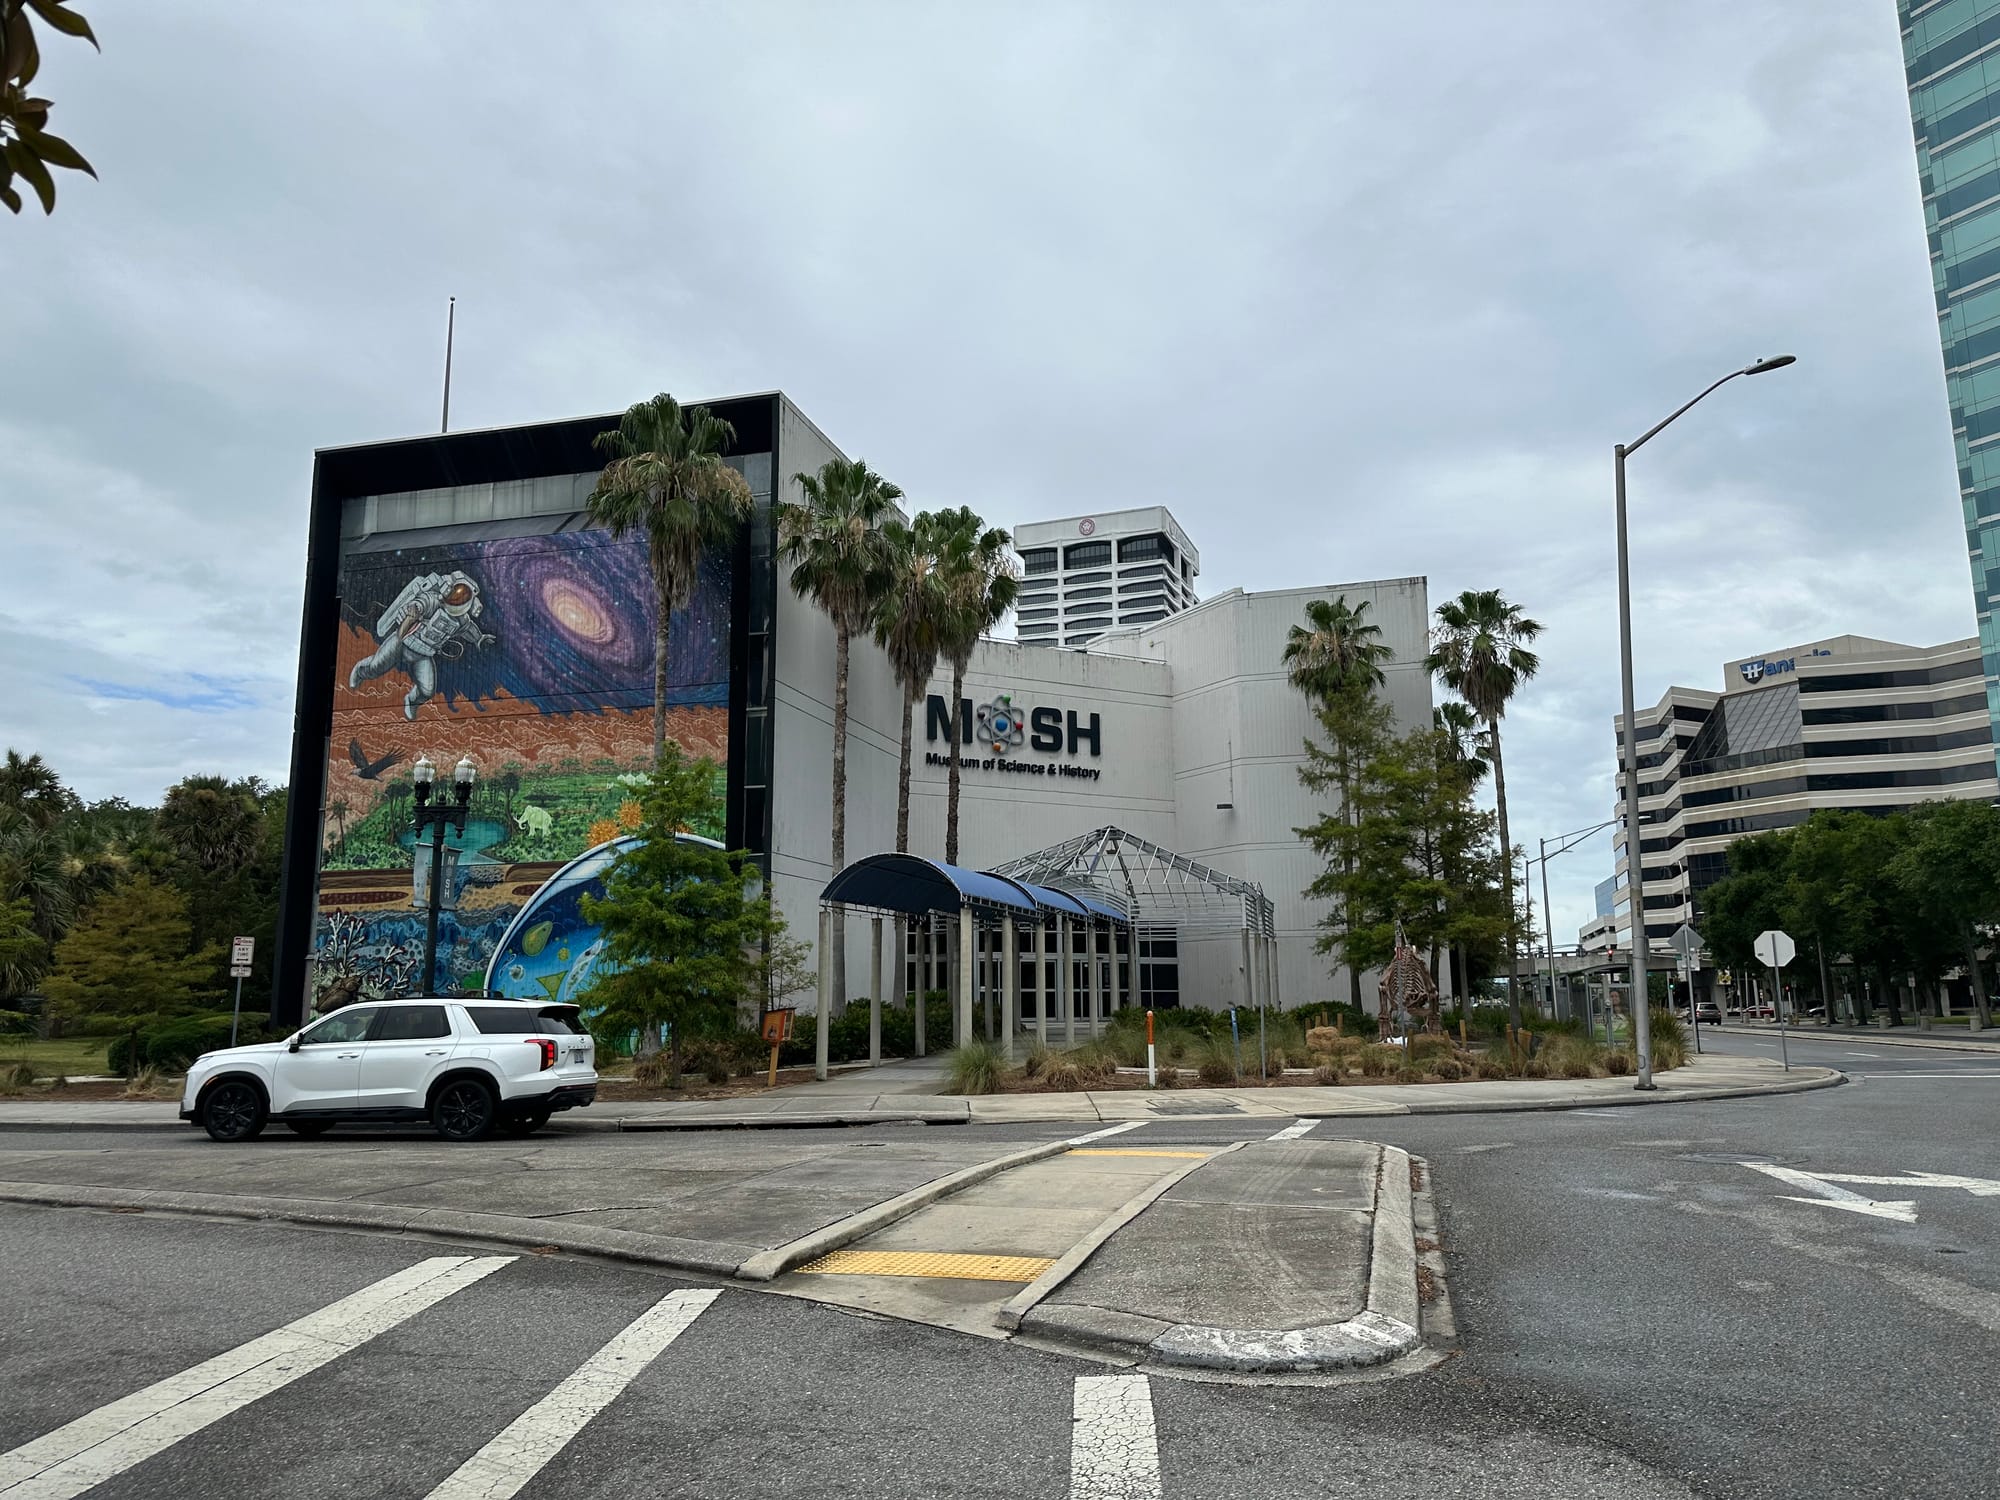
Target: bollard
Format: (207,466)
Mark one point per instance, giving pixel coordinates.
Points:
(1152,1063)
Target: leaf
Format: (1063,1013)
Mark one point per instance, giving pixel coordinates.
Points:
(24,58)
(56,151)
(68,22)
(8,196)
(30,166)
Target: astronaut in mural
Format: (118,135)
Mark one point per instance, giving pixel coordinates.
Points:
(432,613)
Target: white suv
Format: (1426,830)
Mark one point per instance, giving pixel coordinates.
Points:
(467,1066)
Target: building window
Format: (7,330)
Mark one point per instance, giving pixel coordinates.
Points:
(1151,601)
(1186,571)
(1036,614)
(1861,682)
(1075,578)
(1087,555)
(1093,621)
(1138,548)
(1040,560)
(1097,591)
(1132,580)
(1145,619)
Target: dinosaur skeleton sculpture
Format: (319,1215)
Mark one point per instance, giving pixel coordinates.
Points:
(1407,986)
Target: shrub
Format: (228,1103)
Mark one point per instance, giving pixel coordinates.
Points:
(169,1046)
(1038,1058)
(1449,1069)
(1326,1075)
(1491,1065)
(1169,1078)
(1321,1038)
(20,1074)
(655,1072)
(1409,1073)
(1670,1048)
(847,1037)
(974,1068)
(1063,1075)
(1125,1044)
(1535,1067)
(1424,1049)
(146,1083)
(1097,1064)
(1379,1061)
(1217,1065)
(1572,1057)
(1618,1064)
(1277,1060)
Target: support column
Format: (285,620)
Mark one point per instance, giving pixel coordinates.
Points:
(1042,979)
(990,958)
(1065,982)
(1131,964)
(1010,987)
(952,980)
(875,995)
(968,972)
(1089,996)
(923,982)
(824,1013)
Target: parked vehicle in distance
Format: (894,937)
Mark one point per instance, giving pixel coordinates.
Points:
(1708,1013)
(469,1067)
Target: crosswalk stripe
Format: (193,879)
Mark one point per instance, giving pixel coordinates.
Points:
(115,1437)
(513,1458)
(1294,1130)
(1114,1452)
(1098,1135)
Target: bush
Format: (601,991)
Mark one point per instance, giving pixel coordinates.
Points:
(1535,1067)
(1097,1063)
(1326,1075)
(1217,1067)
(1492,1065)
(1378,1061)
(1670,1046)
(1409,1073)
(847,1038)
(1322,1038)
(1449,1069)
(170,1046)
(1618,1064)
(1038,1059)
(19,1074)
(1063,1075)
(974,1067)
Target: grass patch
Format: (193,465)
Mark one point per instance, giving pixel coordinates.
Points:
(70,1056)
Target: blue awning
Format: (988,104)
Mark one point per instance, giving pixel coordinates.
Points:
(916,886)
(1104,908)
(1051,901)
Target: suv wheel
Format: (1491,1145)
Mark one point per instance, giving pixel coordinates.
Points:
(233,1111)
(518,1126)
(464,1110)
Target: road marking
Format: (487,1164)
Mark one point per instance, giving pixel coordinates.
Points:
(1615,1114)
(505,1465)
(1875,1055)
(1294,1130)
(1979,1187)
(1114,1452)
(1827,1195)
(928,1263)
(115,1437)
(1134,1151)
(1928,1077)
(1098,1135)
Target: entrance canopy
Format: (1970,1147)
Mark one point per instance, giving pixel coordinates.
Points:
(1115,872)
(908,885)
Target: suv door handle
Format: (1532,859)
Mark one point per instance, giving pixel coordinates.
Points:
(347,1054)
(437,1052)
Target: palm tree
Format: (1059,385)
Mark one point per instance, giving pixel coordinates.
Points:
(31,788)
(1464,740)
(909,624)
(833,540)
(980,587)
(1336,657)
(339,808)
(211,824)
(1479,649)
(667,479)
(1336,646)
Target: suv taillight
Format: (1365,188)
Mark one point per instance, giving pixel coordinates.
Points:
(548,1051)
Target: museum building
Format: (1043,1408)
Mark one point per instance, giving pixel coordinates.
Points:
(459,604)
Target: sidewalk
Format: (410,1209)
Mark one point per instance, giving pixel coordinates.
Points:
(904,1093)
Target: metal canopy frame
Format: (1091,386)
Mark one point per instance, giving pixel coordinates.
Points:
(1111,868)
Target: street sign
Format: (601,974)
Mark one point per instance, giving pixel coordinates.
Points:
(240,951)
(239,971)
(1686,942)
(1775,948)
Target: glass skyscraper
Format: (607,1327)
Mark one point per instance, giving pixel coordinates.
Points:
(1951,60)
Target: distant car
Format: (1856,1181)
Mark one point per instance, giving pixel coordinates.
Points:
(469,1067)
(1760,1012)
(1708,1013)
(1817,1013)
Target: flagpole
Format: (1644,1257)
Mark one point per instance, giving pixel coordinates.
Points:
(450,323)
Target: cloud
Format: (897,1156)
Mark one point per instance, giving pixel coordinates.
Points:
(1355,290)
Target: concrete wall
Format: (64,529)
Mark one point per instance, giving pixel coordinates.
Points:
(802,735)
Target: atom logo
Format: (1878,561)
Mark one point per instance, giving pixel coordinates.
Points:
(999,725)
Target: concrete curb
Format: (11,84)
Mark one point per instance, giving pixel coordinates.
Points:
(1388,1326)
(768,1265)
(788,1120)
(1824,1078)
(92,1125)
(1022,1302)
(700,1256)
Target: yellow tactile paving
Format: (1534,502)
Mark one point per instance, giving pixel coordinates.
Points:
(1131,1151)
(928,1263)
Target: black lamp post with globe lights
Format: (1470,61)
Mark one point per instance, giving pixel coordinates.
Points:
(437,818)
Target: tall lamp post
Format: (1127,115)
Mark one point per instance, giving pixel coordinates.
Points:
(1635,865)
(437,818)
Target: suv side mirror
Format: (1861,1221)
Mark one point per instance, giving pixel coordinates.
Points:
(292,1045)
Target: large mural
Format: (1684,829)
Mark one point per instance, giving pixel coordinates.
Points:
(534,656)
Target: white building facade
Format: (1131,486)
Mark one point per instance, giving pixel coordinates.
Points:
(1085,575)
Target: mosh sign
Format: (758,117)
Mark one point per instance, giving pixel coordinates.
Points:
(1002,728)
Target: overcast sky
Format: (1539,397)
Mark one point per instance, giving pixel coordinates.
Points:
(1358,290)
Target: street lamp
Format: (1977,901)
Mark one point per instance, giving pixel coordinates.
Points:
(1635,865)
(437,819)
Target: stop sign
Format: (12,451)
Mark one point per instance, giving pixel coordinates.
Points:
(1775,948)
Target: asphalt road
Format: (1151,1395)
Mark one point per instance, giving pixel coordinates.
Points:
(1640,1314)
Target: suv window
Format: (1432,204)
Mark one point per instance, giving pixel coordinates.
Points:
(349,1025)
(410,1023)
(525,1020)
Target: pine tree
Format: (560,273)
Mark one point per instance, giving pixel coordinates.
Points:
(129,957)
(682,927)
(1356,726)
